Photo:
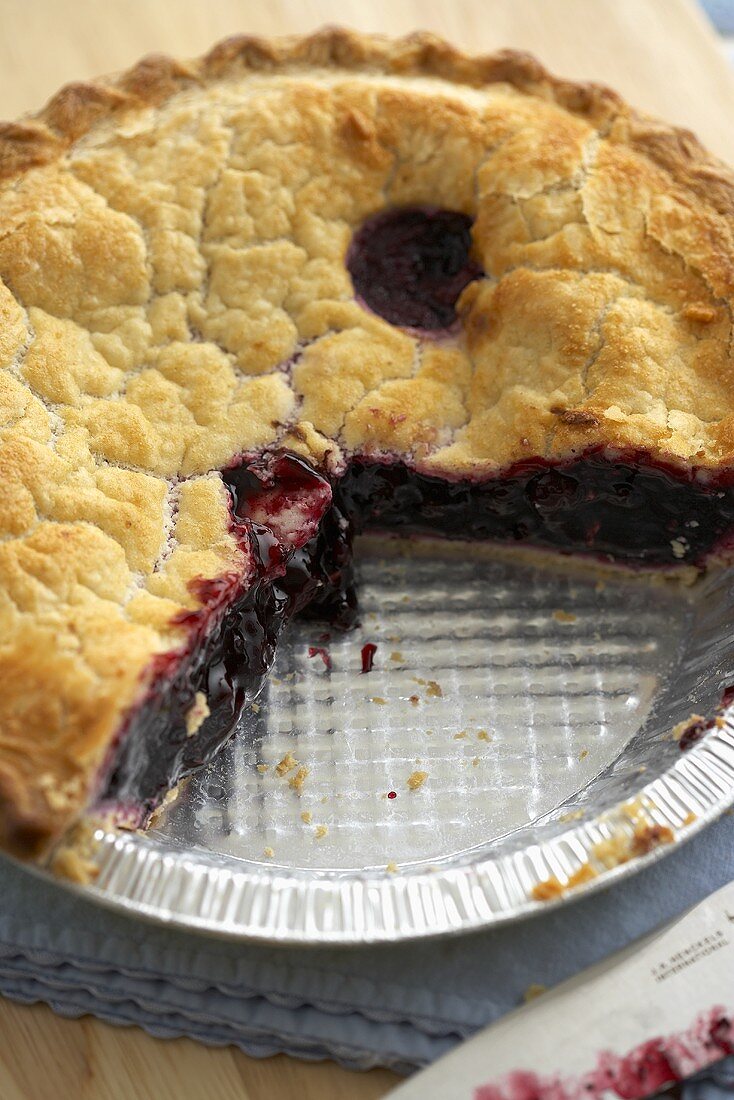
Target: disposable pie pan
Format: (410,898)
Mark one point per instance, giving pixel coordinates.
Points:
(523,732)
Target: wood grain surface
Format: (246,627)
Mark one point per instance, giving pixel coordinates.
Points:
(660,54)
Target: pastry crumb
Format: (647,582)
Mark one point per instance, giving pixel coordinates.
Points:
(197,713)
(296,781)
(475,762)
(262,768)
(551,888)
(683,727)
(416,780)
(482,735)
(415,700)
(379,700)
(434,690)
(287,764)
(647,837)
(679,547)
(268,853)
(564,616)
(321,831)
(392,868)
(572,815)
(255,708)
(547,890)
(396,655)
(533,991)
(583,754)
(460,736)
(306,817)
(689,818)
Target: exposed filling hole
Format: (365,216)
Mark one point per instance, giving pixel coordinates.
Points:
(409,265)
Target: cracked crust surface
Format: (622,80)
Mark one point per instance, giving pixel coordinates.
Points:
(173,293)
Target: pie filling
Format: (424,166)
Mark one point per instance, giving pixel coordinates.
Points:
(625,509)
(297,527)
(410,265)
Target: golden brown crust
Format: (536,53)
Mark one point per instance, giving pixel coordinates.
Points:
(173,293)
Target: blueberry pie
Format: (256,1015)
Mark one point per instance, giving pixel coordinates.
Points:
(254,304)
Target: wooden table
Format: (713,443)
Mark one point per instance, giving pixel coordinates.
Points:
(659,53)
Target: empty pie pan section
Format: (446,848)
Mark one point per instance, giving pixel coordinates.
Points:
(514,744)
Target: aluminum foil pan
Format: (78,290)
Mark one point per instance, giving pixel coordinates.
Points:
(513,745)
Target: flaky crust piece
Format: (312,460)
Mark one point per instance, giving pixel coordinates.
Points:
(173,294)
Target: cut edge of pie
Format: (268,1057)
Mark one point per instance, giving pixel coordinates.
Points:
(198,410)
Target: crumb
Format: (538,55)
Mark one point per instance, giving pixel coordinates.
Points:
(168,799)
(583,754)
(416,780)
(647,837)
(321,831)
(378,699)
(682,727)
(396,655)
(255,708)
(475,762)
(417,680)
(414,699)
(547,890)
(612,851)
(306,817)
(262,768)
(198,711)
(268,853)
(482,735)
(679,547)
(585,873)
(564,616)
(296,781)
(689,818)
(552,888)
(392,868)
(434,689)
(572,815)
(533,991)
(460,736)
(394,638)
(287,764)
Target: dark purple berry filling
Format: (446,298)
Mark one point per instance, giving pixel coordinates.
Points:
(626,510)
(227,661)
(409,265)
